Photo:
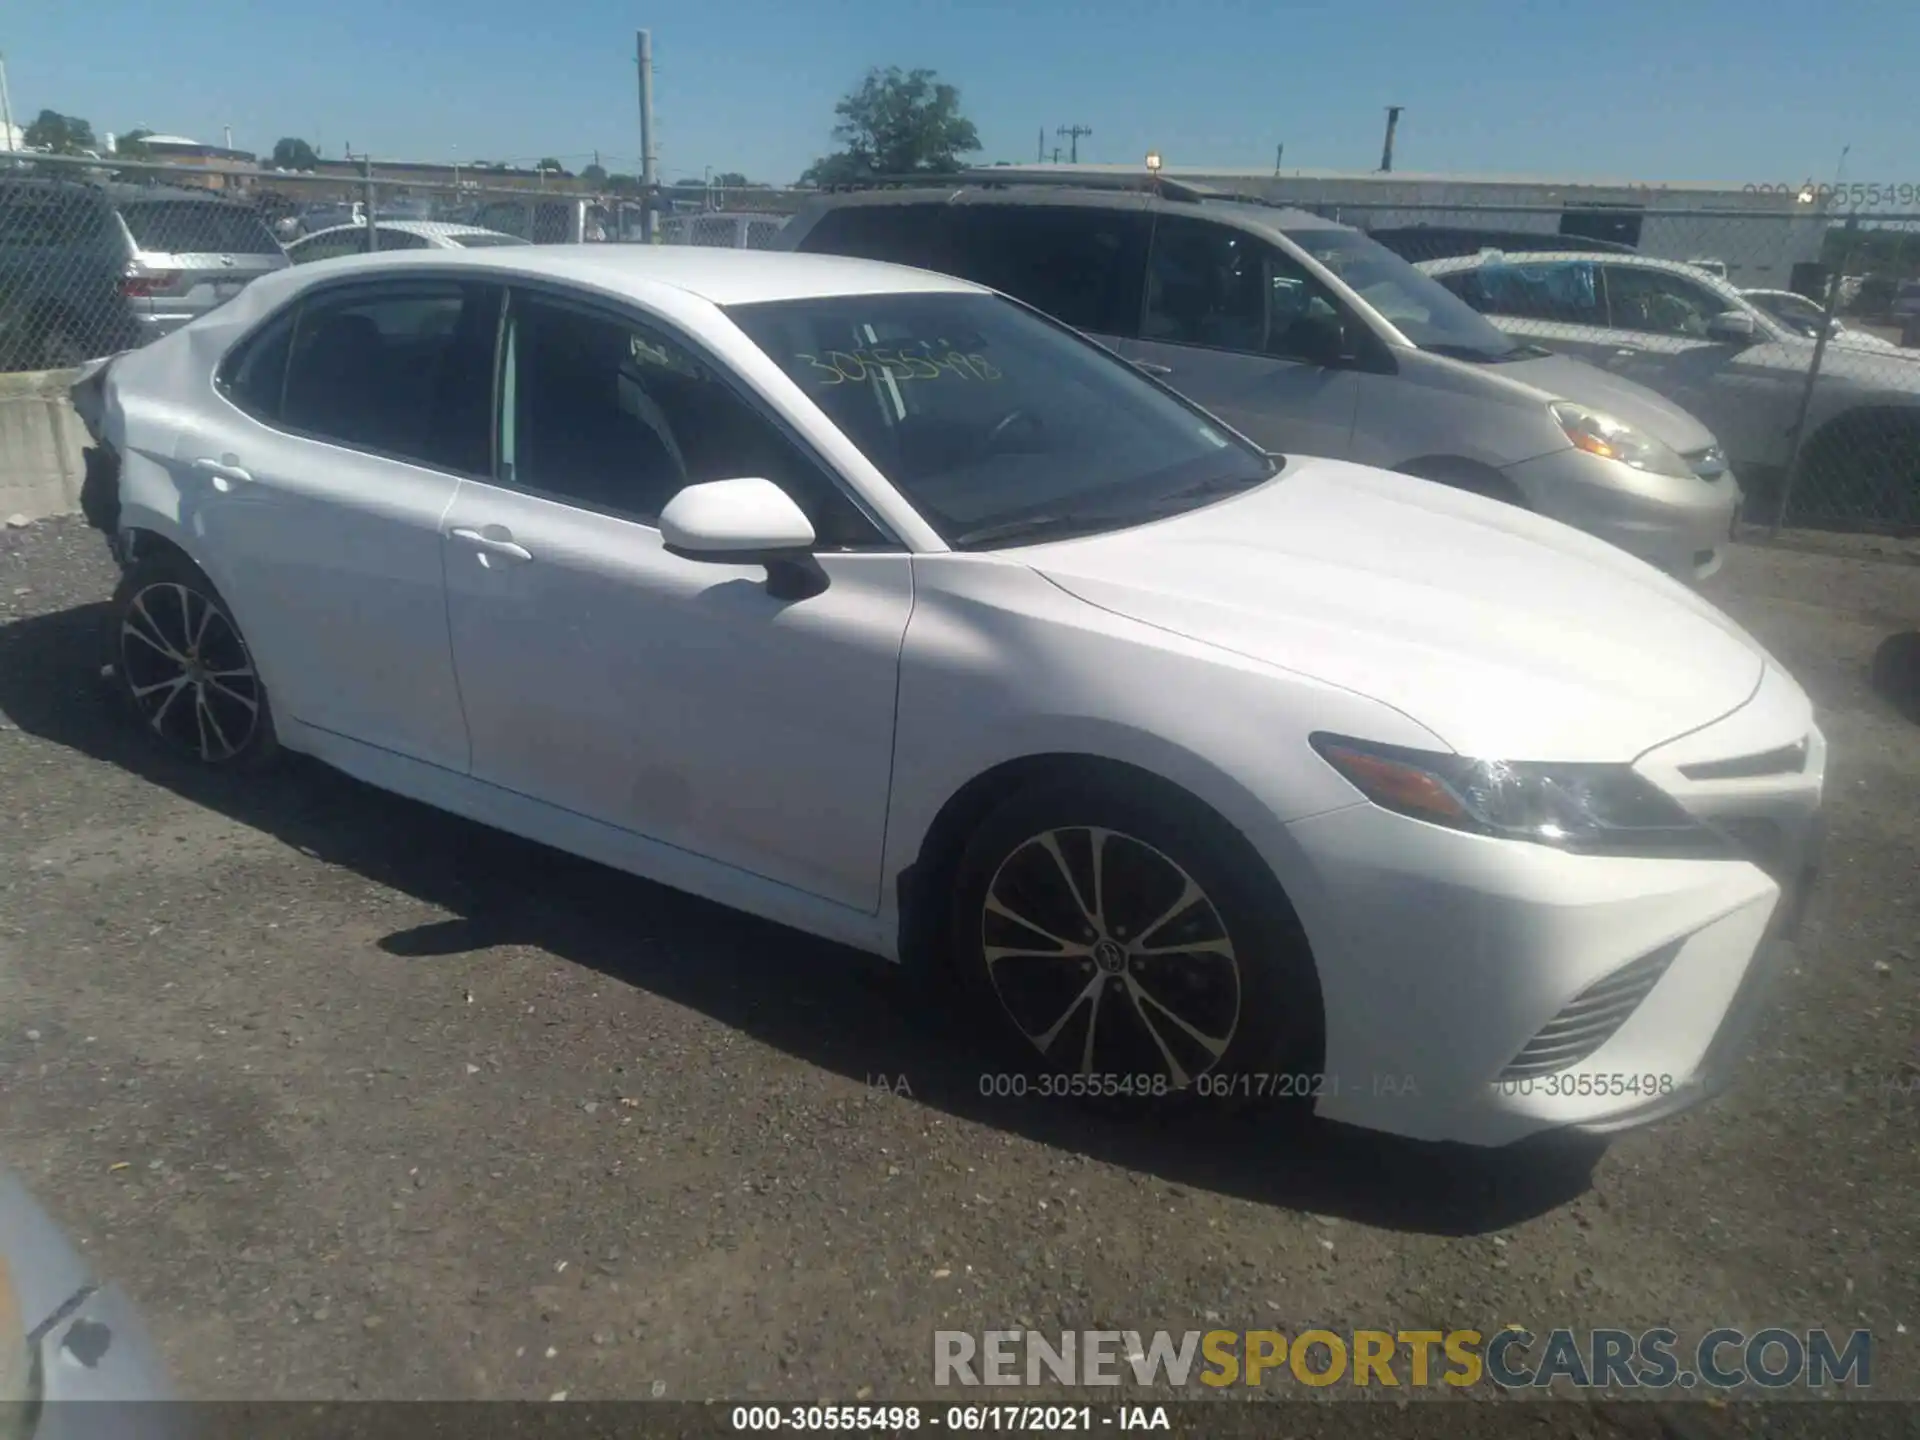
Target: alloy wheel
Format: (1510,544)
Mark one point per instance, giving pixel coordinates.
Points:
(1110,958)
(189,672)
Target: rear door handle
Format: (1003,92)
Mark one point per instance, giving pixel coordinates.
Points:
(494,540)
(1626,352)
(224,473)
(1148,367)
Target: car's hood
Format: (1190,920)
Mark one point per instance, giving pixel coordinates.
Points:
(1564,378)
(1505,634)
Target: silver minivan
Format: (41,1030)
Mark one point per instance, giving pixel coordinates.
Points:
(1308,337)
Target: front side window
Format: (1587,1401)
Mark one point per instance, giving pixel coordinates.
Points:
(603,411)
(405,371)
(1563,291)
(1660,303)
(484,242)
(995,424)
(1227,290)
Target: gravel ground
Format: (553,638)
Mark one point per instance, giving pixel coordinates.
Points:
(360,1100)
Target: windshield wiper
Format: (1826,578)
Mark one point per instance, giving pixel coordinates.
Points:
(1473,355)
(1054,526)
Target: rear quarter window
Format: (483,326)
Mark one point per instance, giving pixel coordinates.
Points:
(185,227)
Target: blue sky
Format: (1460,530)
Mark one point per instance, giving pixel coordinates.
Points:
(1738,90)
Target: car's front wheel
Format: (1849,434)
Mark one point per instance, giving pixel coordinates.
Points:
(185,668)
(1131,940)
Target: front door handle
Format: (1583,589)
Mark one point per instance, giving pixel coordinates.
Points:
(1148,367)
(494,540)
(1626,352)
(224,472)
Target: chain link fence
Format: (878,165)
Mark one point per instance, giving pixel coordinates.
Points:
(1792,334)
(100,256)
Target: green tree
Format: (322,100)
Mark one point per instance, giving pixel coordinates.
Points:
(292,153)
(551,166)
(595,175)
(60,134)
(732,179)
(897,123)
(133,145)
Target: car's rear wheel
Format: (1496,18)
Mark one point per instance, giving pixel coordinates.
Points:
(1131,941)
(185,668)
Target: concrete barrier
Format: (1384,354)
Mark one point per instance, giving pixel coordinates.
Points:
(40,443)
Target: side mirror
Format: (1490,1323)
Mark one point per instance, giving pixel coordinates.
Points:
(1732,327)
(1319,340)
(749,521)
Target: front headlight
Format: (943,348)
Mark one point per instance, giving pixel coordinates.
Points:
(1611,439)
(1591,809)
(19,1374)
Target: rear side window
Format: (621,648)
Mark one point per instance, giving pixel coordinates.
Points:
(917,235)
(1085,267)
(187,227)
(254,376)
(1563,291)
(405,371)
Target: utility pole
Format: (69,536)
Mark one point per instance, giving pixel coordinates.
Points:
(1073,134)
(1039,155)
(6,104)
(649,162)
(373,235)
(1386,150)
(1056,154)
(1278,151)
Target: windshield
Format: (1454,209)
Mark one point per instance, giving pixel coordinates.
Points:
(1418,306)
(186,227)
(995,424)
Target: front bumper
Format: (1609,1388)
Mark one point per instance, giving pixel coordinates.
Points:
(1681,524)
(1446,958)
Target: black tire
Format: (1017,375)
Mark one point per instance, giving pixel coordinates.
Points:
(1860,467)
(1248,984)
(184,668)
(1896,672)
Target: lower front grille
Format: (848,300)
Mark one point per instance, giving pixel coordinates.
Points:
(1591,1018)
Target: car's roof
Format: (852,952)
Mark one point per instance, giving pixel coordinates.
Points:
(1561,257)
(430,229)
(721,276)
(985,192)
(1777,294)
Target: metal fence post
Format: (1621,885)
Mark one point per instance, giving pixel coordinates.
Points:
(373,235)
(1792,475)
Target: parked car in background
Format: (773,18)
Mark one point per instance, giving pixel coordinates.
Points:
(738,231)
(65,1336)
(1703,345)
(1805,317)
(395,235)
(1310,338)
(87,269)
(882,606)
(1906,312)
(551,220)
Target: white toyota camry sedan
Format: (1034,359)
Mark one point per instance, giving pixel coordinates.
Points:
(877,604)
